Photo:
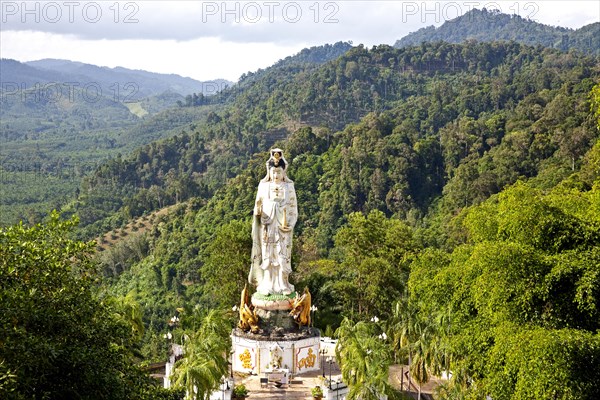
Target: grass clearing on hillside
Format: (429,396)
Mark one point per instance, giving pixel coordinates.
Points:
(136,109)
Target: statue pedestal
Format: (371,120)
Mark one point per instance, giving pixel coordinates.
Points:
(273,302)
(272,320)
(296,352)
(273,311)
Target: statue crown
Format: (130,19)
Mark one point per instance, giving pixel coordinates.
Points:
(277,159)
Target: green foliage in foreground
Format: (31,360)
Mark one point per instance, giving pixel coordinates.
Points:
(523,296)
(502,287)
(206,344)
(364,360)
(59,339)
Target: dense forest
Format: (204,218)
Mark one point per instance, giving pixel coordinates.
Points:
(468,96)
(45,158)
(405,196)
(450,190)
(488,25)
(62,119)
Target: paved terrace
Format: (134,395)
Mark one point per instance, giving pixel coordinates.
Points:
(300,386)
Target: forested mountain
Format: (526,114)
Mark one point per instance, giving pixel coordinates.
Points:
(486,26)
(452,190)
(467,96)
(417,191)
(312,56)
(111,80)
(76,127)
(17,73)
(49,143)
(60,119)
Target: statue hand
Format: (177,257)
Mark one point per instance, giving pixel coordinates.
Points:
(285,229)
(259,207)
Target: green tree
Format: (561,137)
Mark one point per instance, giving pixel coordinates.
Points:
(595,103)
(59,339)
(536,363)
(227,264)
(206,346)
(523,294)
(364,360)
(418,338)
(375,253)
(131,312)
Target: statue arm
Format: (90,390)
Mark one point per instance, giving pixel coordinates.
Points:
(255,275)
(292,207)
(258,203)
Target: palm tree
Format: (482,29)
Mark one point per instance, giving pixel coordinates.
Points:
(205,357)
(423,351)
(420,339)
(364,360)
(443,354)
(130,311)
(401,328)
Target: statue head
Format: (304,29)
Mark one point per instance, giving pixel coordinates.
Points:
(276,167)
(276,174)
(276,159)
(277,156)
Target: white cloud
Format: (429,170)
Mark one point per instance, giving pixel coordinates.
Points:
(570,14)
(202,59)
(282,21)
(207,40)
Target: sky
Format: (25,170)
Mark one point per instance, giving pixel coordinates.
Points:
(207,40)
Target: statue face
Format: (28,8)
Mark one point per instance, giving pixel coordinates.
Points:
(276,174)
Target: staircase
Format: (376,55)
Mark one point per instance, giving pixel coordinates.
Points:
(298,389)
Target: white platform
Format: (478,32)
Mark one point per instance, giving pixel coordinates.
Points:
(255,356)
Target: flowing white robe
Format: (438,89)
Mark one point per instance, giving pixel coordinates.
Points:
(272,242)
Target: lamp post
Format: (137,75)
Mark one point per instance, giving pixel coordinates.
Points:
(330,361)
(322,352)
(402,379)
(235,309)
(313,309)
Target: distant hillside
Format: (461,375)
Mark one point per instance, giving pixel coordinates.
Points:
(312,56)
(49,145)
(22,74)
(485,26)
(316,54)
(54,133)
(144,83)
(434,87)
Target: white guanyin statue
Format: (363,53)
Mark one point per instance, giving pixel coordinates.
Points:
(275,214)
